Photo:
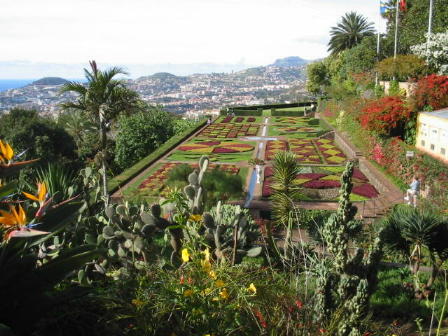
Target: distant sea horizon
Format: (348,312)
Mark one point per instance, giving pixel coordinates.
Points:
(7,84)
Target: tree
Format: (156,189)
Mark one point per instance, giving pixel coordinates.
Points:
(413,23)
(317,77)
(140,134)
(349,32)
(402,68)
(408,231)
(39,136)
(435,52)
(102,99)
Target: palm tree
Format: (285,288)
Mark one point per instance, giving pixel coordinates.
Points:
(285,193)
(102,99)
(409,231)
(349,32)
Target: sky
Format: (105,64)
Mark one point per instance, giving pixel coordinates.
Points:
(63,35)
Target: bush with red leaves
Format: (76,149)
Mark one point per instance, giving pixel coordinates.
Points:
(431,91)
(385,116)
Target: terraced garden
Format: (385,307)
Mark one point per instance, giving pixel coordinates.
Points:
(227,145)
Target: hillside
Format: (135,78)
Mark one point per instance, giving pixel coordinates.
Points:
(50,81)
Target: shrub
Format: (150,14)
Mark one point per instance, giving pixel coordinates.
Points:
(385,116)
(431,91)
(402,68)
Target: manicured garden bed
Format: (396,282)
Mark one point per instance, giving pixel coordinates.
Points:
(239,120)
(229,130)
(219,150)
(308,151)
(153,185)
(323,183)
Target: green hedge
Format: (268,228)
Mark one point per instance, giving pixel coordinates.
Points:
(257,110)
(276,113)
(136,169)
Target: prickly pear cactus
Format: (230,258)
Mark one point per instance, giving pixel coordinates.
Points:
(231,230)
(194,191)
(127,236)
(154,219)
(348,280)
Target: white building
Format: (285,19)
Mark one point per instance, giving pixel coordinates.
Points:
(432,133)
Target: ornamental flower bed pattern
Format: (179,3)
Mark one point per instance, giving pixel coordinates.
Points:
(158,179)
(318,178)
(238,120)
(228,130)
(307,151)
(217,147)
(301,121)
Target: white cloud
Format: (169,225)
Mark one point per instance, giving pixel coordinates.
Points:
(170,31)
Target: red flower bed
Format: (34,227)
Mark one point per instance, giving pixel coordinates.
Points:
(251,119)
(366,190)
(268,171)
(218,150)
(357,174)
(209,143)
(239,119)
(227,119)
(321,184)
(431,91)
(385,116)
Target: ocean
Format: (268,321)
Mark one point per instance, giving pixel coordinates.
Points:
(6,84)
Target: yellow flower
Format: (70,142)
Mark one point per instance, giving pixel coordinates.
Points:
(16,216)
(224,294)
(207,291)
(6,152)
(41,193)
(212,275)
(137,302)
(219,283)
(188,292)
(185,255)
(252,288)
(195,218)
(206,266)
(207,254)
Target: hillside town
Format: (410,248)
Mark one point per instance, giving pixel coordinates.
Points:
(190,95)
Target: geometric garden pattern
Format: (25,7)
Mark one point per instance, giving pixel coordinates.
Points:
(307,151)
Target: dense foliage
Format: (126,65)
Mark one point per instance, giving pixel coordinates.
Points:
(140,134)
(385,116)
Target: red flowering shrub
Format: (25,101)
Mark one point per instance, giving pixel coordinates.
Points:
(386,116)
(321,184)
(431,91)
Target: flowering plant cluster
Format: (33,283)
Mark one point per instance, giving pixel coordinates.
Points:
(307,150)
(217,147)
(325,178)
(227,130)
(385,116)
(212,298)
(238,119)
(431,91)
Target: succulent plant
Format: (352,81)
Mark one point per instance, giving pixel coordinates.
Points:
(231,231)
(154,219)
(194,191)
(127,235)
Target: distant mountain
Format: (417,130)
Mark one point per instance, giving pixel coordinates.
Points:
(50,81)
(291,61)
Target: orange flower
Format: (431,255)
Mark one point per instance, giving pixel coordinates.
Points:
(41,193)
(6,152)
(14,218)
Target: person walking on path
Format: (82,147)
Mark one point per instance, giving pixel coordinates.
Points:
(413,191)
